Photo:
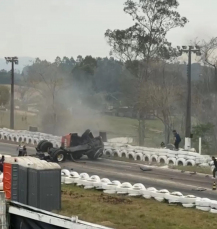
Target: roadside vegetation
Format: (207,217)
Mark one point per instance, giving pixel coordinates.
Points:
(197,169)
(122,212)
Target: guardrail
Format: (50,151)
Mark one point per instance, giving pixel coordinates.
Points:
(38,218)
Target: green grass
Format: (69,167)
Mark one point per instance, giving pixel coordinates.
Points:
(198,169)
(127,127)
(131,213)
(19,124)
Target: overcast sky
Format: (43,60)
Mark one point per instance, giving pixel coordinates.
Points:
(47,28)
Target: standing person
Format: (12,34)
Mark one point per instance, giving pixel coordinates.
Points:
(215,164)
(2,163)
(21,149)
(177,139)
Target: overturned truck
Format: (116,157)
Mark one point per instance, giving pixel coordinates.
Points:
(73,147)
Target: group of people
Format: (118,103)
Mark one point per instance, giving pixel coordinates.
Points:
(22,150)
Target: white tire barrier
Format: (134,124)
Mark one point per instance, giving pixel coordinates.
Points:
(181,162)
(154,159)
(136,190)
(124,154)
(99,185)
(213,210)
(123,188)
(108,152)
(171,161)
(147,194)
(160,194)
(191,158)
(180,157)
(139,157)
(90,183)
(116,153)
(131,155)
(82,180)
(29,140)
(173,197)
(139,189)
(65,172)
(147,158)
(162,159)
(8,138)
(213,205)
(111,188)
(190,163)
(5,137)
(203,204)
(14,138)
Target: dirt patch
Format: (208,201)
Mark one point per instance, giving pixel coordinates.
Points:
(72,194)
(113,199)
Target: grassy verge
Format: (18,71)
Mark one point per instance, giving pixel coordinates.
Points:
(198,169)
(22,120)
(131,213)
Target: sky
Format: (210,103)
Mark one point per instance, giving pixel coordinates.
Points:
(50,28)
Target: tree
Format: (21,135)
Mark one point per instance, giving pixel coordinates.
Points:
(205,131)
(140,45)
(165,91)
(205,90)
(209,58)
(4,95)
(47,81)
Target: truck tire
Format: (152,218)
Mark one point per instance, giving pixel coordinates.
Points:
(45,146)
(59,156)
(39,144)
(94,155)
(77,156)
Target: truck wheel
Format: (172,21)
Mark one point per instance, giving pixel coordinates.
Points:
(39,144)
(91,155)
(45,146)
(59,156)
(77,156)
(95,154)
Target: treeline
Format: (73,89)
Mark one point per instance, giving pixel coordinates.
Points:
(5,77)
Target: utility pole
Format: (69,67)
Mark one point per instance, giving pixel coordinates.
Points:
(13,60)
(189,51)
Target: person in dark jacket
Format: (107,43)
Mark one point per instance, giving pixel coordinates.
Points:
(177,139)
(1,163)
(215,164)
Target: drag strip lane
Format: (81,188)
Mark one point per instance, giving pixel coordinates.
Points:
(172,180)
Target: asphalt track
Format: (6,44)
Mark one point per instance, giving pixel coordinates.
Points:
(160,178)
